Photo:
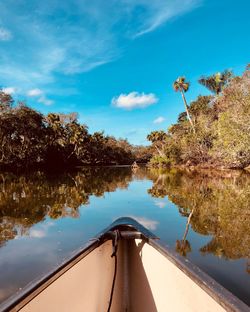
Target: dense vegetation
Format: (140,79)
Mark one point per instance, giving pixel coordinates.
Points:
(26,200)
(29,139)
(202,193)
(214,130)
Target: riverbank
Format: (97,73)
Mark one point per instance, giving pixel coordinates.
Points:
(213,132)
(198,167)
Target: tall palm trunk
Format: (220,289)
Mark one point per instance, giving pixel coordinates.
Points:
(159,151)
(186,107)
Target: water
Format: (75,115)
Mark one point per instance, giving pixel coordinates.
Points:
(44,218)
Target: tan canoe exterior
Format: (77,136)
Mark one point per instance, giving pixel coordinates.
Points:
(149,278)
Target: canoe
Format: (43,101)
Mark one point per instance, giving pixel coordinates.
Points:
(125,268)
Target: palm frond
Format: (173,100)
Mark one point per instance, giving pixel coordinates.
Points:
(185,86)
(181,84)
(176,86)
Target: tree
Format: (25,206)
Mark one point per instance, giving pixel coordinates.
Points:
(181,85)
(6,102)
(142,154)
(22,133)
(158,138)
(216,82)
(29,139)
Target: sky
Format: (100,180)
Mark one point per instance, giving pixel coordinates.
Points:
(114,62)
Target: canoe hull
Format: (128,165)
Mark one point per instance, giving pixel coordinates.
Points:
(148,277)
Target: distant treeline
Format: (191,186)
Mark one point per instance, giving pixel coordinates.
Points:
(214,130)
(29,139)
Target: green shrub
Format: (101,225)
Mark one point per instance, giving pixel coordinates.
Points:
(159,161)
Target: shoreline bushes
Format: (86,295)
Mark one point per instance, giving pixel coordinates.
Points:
(222,127)
(31,140)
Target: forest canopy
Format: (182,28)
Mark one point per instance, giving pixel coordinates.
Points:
(29,139)
(214,130)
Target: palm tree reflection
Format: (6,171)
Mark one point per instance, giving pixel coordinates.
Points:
(220,203)
(183,246)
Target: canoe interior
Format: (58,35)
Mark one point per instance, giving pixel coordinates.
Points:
(149,278)
(146,281)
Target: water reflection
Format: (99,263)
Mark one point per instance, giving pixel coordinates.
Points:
(216,203)
(183,246)
(204,216)
(27,200)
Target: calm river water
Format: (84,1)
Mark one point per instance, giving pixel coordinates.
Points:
(44,218)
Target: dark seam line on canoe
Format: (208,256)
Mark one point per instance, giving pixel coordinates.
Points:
(115,242)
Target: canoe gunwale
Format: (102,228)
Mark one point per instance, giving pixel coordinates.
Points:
(20,299)
(220,294)
(129,229)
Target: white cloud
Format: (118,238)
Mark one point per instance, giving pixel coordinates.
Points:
(34,92)
(44,100)
(5,34)
(37,233)
(9,90)
(134,100)
(159,120)
(40,230)
(160,204)
(161,11)
(79,39)
(148,223)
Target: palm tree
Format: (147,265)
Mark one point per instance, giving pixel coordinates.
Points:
(158,139)
(216,82)
(181,85)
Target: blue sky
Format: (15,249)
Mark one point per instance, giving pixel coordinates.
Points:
(114,61)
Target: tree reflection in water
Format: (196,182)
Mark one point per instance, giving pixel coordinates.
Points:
(183,246)
(27,200)
(214,203)
(217,203)
(220,202)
